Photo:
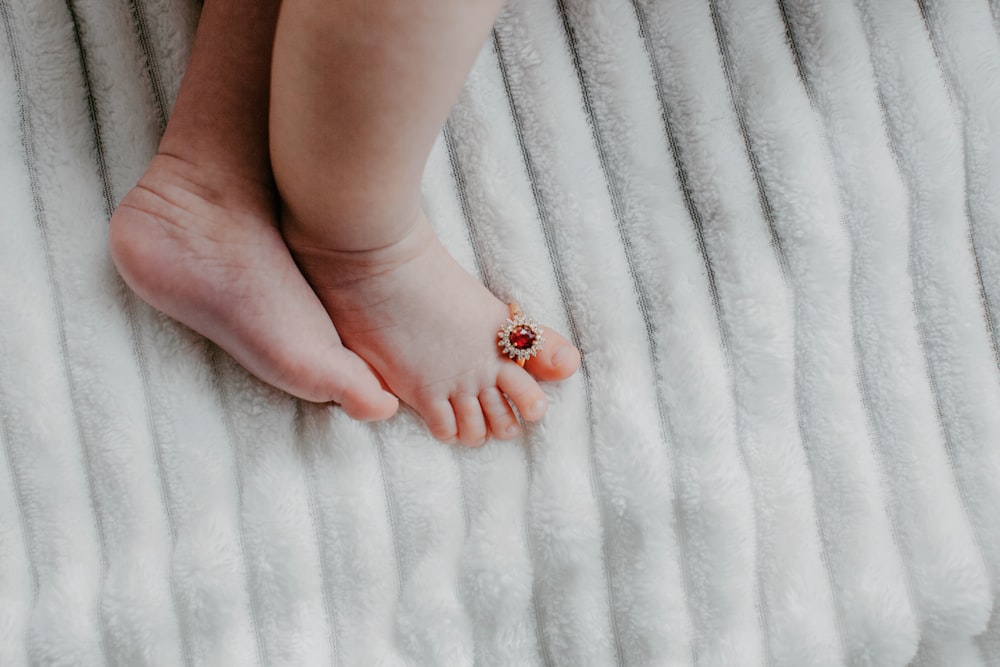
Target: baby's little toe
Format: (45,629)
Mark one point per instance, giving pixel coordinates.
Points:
(499,416)
(471,423)
(440,418)
(557,360)
(523,391)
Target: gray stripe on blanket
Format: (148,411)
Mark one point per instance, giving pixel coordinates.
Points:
(227,417)
(640,288)
(135,333)
(856,341)
(698,223)
(302,442)
(776,243)
(574,331)
(920,317)
(860,380)
(390,511)
(5,433)
(8,455)
(41,222)
(984,296)
(699,230)
(138,11)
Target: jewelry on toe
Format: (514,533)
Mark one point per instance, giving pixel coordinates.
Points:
(520,337)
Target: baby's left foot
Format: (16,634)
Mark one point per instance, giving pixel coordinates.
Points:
(200,243)
(430,330)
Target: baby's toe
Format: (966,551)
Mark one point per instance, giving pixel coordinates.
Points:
(471,423)
(347,380)
(440,418)
(369,404)
(557,360)
(523,391)
(499,417)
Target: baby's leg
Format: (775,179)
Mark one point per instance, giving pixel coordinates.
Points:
(198,239)
(360,91)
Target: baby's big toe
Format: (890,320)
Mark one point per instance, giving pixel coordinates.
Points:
(349,382)
(557,360)
(369,404)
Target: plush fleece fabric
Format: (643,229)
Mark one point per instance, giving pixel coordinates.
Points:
(772,227)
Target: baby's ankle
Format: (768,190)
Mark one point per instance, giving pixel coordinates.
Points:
(350,223)
(346,217)
(232,190)
(321,252)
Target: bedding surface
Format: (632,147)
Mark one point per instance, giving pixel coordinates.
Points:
(773,228)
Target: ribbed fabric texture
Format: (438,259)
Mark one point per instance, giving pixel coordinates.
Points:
(773,228)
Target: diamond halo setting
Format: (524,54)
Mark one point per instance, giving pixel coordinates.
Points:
(520,337)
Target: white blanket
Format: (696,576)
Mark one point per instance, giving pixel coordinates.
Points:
(773,227)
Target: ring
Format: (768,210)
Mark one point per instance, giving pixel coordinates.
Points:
(520,337)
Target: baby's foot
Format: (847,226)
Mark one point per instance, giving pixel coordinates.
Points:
(430,330)
(203,246)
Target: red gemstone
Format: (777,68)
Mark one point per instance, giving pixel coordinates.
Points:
(522,338)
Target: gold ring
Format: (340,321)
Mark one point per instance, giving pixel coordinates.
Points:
(520,336)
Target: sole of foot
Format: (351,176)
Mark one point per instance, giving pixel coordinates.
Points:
(203,247)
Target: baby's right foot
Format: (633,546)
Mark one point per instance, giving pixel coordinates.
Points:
(429,329)
(202,246)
